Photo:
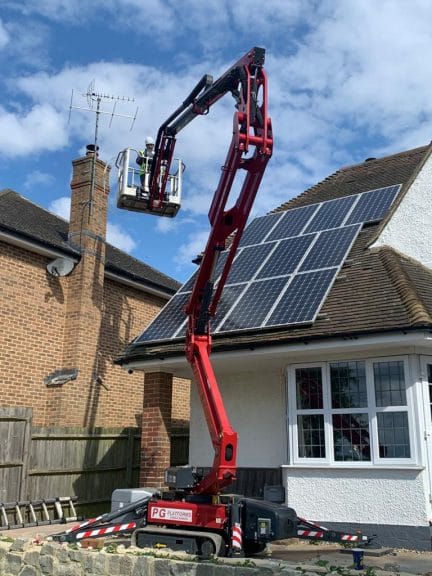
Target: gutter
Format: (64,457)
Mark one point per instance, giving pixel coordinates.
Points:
(51,252)
(38,248)
(288,352)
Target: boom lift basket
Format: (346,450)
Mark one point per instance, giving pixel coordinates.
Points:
(132,196)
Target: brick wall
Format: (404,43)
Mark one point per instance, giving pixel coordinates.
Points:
(156,428)
(80,321)
(32,316)
(32,327)
(181,402)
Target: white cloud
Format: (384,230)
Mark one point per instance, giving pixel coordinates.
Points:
(23,45)
(119,238)
(61,207)
(37,178)
(40,128)
(115,233)
(347,80)
(4,36)
(172,20)
(165,225)
(355,66)
(195,244)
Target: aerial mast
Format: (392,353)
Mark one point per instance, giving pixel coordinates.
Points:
(94,101)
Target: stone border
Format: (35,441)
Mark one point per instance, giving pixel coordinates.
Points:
(24,557)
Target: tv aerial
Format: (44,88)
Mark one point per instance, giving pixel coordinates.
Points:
(94,101)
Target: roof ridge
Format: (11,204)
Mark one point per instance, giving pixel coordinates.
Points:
(404,286)
(6,191)
(29,201)
(342,176)
(384,158)
(282,207)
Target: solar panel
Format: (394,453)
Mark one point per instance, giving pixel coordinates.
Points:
(248,262)
(167,322)
(286,257)
(253,306)
(230,296)
(258,229)
(292,222)
(330,248)
(303,298)
(373,205)
(331,214)
(188,286)
(285,266)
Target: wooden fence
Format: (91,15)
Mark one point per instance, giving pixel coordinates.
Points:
(83,463)
(45,462)
(15,434)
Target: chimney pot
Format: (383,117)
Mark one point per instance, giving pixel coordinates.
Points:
(91,149)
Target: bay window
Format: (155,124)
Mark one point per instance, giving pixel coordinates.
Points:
(350,411)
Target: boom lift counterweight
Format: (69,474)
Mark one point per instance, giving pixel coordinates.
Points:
(194,515)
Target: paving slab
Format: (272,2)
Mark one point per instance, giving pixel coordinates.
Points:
(393,561)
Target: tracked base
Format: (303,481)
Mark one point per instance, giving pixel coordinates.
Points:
(202,544)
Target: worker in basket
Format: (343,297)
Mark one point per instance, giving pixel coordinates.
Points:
(144,159)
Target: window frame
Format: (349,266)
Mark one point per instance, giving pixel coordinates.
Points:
(371,410)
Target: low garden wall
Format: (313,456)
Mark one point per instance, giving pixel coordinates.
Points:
(22,557)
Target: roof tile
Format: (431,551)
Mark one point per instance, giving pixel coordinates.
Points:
(376,290)
(21,217)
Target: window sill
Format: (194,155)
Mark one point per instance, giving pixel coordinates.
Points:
(393,466)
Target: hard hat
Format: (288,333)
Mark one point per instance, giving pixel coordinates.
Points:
(149,140)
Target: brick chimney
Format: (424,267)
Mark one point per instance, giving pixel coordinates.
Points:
(76,403)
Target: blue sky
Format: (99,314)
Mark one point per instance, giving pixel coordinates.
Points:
(348,79)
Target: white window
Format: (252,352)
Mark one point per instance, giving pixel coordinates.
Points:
(350,412)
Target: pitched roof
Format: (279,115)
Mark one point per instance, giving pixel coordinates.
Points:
(22,218)
(369,175)
(375,291)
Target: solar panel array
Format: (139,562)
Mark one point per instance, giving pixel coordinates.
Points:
(286,265)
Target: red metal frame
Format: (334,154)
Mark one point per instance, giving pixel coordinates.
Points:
(246,80)
(250,150)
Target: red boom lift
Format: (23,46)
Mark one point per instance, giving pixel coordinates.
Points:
(194,515)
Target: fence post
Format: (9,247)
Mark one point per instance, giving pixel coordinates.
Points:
(26,453)
(129,457)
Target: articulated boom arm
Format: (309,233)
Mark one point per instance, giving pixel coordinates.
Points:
(250,150)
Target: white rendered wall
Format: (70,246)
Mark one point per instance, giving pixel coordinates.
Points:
(370,496)
(409,230)
(256,407)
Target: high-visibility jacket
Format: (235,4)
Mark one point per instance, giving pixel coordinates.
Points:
(144,160)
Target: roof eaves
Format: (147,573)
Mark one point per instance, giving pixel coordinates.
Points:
(165,350)
(30,240)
